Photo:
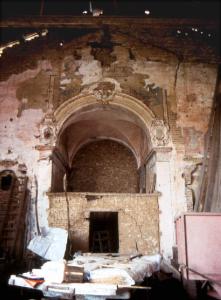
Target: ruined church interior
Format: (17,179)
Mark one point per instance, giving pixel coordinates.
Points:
(110,139)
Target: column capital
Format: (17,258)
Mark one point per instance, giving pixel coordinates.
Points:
(45,151)
(163,153)
(160,154)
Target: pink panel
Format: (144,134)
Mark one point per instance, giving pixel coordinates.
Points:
(199,244)
(180,239)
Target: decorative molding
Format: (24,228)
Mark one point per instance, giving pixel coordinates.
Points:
(104,92)
(48,130)
(45,152)
(44,148)
(159,133)
(163,154)
(159,154)
(73,105)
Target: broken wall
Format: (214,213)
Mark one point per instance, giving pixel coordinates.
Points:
(138,218)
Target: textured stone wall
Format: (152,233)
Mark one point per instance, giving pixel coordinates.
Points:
(138,218)
(104,167)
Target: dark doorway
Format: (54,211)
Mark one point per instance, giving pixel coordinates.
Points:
(6,182)
(103,236)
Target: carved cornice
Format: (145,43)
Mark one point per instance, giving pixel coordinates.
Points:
(133,105)
(159,152)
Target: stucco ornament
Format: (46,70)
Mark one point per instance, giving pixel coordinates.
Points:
(104,92)
(159,132)
(192,177)
(48,130)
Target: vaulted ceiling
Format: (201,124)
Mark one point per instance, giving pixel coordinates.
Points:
(101,122)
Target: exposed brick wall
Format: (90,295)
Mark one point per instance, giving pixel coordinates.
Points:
(138,216)
(104,166)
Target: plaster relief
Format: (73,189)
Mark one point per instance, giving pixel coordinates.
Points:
(159,132)
(104,92)
(191,177)
(48,130)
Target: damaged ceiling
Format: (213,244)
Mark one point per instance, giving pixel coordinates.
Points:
(157,8)
(194,24)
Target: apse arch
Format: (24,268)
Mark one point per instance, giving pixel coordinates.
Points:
(84,118)
(120,100)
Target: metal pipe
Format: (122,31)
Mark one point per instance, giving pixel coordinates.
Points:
(203,276)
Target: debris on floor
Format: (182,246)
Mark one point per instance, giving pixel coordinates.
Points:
(101,275)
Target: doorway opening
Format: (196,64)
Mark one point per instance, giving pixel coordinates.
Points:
(103,234)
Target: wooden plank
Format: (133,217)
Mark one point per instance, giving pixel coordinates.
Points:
(85,288)
(133,287)
(97,22)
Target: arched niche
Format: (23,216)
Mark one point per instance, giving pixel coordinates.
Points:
(138,111)
(84,119)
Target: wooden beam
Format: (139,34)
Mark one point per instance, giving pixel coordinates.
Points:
(97,22)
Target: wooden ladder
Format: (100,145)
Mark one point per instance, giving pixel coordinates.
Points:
(101,241)
(14,224)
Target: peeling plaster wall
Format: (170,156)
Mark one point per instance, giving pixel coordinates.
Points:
(19,133)
(178,92)
(195,92)
(19,123)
